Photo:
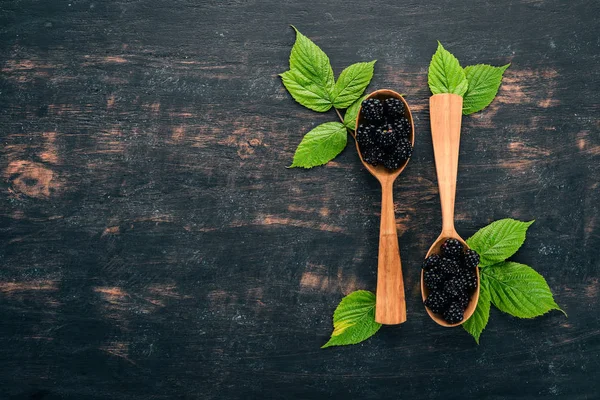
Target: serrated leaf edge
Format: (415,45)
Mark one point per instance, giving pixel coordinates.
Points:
(317,165)
(498,265)
(502,67)
(336,314)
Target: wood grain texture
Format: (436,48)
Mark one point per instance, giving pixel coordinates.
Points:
(154,246)
(445,112)
(390,308)
(446,116)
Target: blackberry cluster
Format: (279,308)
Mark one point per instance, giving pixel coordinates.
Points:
(451,279)
(372,110)
(452,248)
(395,107)
(384,135)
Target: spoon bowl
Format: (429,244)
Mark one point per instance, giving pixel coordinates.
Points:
(390,307)
(446,114)
(380,172)
(435,249)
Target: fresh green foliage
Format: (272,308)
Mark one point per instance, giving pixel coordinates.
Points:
(445,73)
(478,84)
(311,83)
(352,114)
(513,288)
(320,145)
(518,290)
(499,240)
(354,319)
(476,324)
(306,92)
(352,83)
(484,81)
(309,61)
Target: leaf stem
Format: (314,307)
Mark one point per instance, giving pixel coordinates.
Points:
(339,115)
(342,121)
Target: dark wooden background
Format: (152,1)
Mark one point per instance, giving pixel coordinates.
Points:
(154,246)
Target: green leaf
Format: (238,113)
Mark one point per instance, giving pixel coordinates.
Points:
(478,321)
(320,145)
(308,59)
(354,319)
(352,83)
(518,290)
(499,240)
(445,73)
(484,81)
(306,92)
(310,78)
(352,114)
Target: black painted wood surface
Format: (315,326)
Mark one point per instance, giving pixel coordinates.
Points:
(154,246)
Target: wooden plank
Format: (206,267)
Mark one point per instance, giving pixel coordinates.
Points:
(154,246)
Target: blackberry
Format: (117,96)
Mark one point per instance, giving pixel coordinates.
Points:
(431,261)
(434,278)
(463,300)
(392,163)
(437,302)
(394,107)
(372,110)
(373,155)
(452,248)
(470,279)
(454,313)
(403,150)
(454,287)
(471,258)
(448,267)
(402,126)
(386,136)
(365,135)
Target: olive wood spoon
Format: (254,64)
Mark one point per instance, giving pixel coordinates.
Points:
(446,114)
(390,307)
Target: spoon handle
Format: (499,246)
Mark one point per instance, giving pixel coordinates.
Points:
(390,306)
(446,115)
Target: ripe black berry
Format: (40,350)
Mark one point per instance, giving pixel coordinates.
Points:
(448,267)
(402,126)
(392,163)
(386,136)
(365,135)
(373,155)
(372,110)
(431,261)
(470,278)
(463,300)
(394,107)
(454,287)
(437,302)
(403,150)
(434,278)
(452,248)
(399,154)
(471,258)
(454,313)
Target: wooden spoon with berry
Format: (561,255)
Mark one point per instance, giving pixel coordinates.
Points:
(450,276)
(384,141)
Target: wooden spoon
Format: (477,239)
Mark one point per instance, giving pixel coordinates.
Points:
(446,114)
(390,305)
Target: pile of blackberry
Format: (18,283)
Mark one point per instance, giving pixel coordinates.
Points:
(384,135)
(451,279)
